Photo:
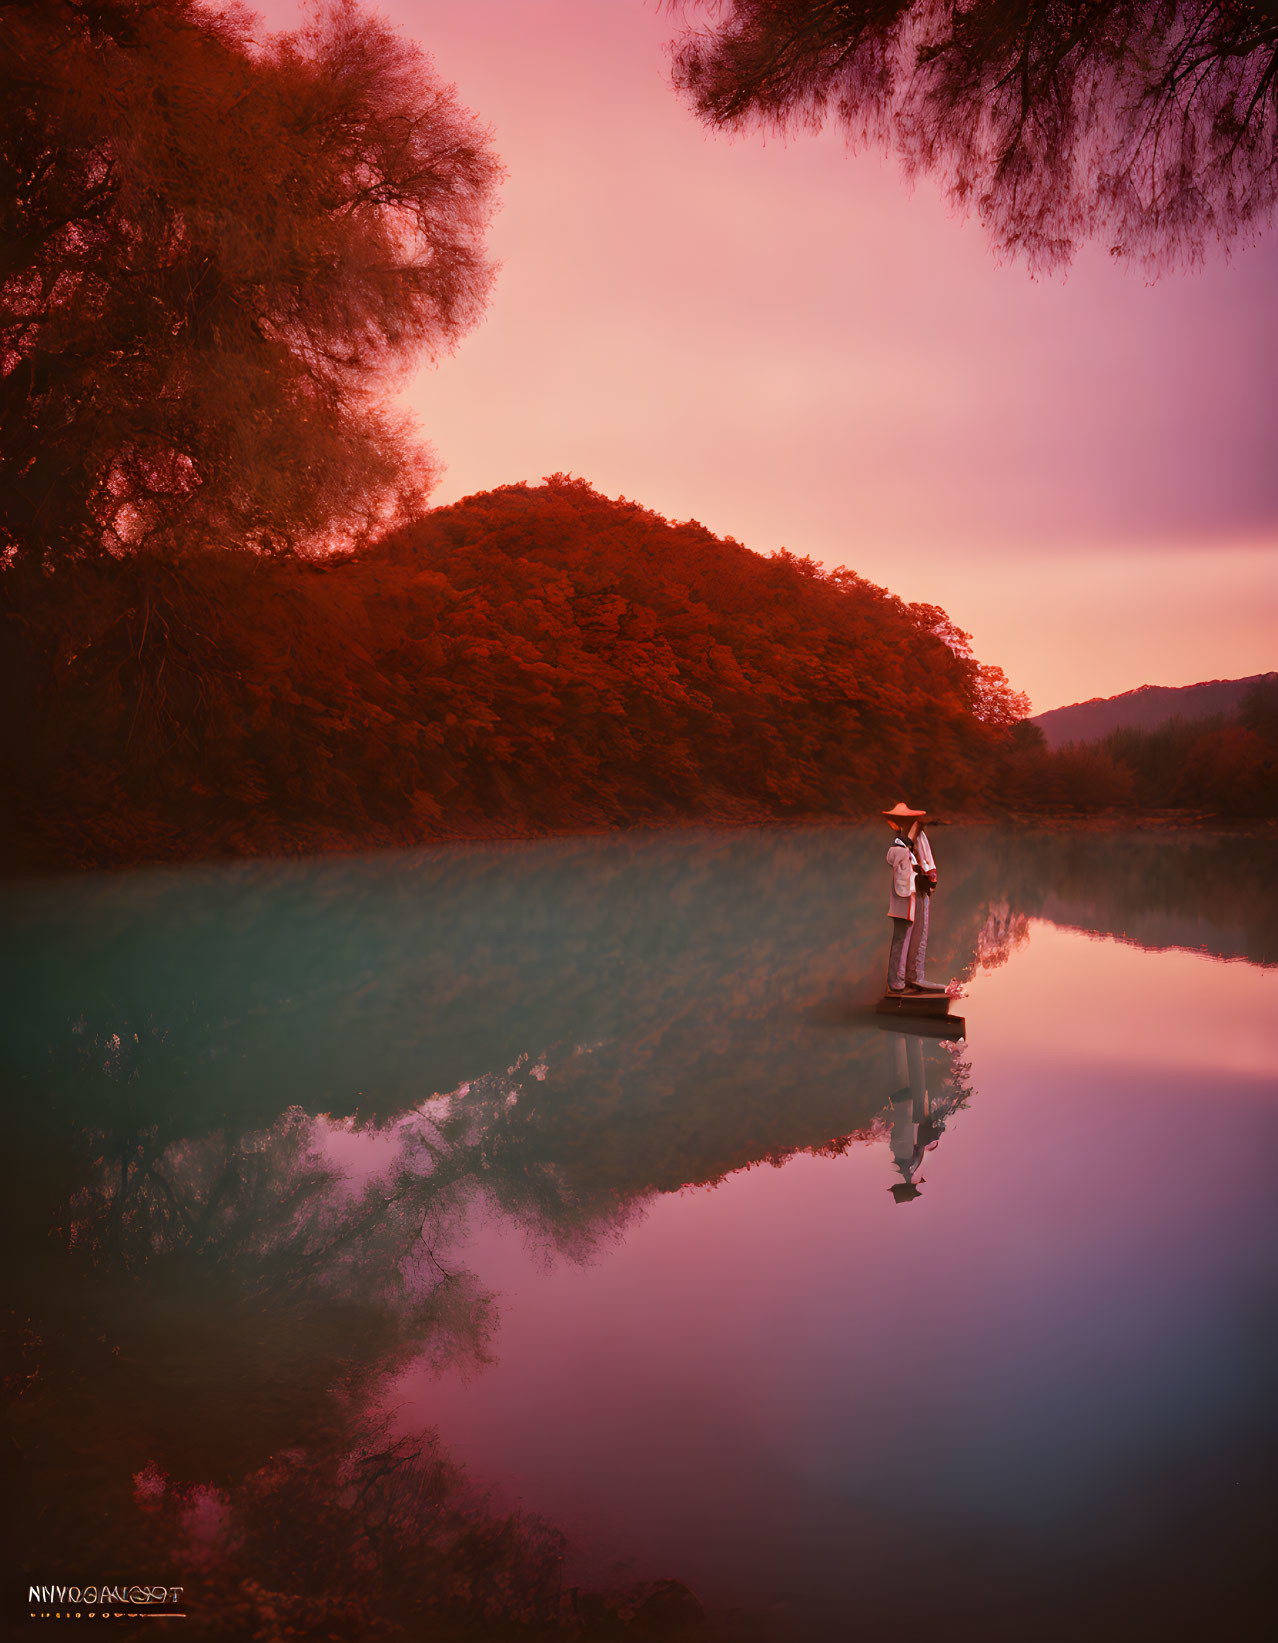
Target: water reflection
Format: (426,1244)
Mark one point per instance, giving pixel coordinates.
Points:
(207,1307)
(917,1119)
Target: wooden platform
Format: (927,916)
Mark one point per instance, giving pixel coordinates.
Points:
(915,1004)
(923,1012)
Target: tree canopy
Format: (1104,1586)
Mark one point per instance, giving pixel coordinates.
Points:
(529,658)
(1151,127)
(214,250)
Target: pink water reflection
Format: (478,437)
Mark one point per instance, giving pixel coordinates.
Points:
(1110,1001)
(791,1388)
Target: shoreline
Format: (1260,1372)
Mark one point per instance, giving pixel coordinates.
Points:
(308,844)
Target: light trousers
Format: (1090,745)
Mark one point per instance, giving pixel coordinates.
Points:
(909,945)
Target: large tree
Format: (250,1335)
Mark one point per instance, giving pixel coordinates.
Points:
(216,249)
(1148,124)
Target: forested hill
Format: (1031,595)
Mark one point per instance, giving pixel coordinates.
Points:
(648,663)
(1145,708)
(529,659)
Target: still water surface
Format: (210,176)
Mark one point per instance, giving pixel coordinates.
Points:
(461,1243)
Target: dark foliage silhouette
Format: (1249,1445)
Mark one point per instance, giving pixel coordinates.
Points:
(528,658)
(214,252)
(1149,127)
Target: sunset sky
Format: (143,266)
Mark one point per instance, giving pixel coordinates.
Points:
(793,346)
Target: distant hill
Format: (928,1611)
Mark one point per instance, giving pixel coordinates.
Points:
(1144,709)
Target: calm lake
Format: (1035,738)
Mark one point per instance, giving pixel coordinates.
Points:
(476,1242)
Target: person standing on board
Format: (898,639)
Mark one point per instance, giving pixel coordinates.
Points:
(913,880)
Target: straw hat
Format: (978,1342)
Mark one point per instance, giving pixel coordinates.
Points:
(902,812)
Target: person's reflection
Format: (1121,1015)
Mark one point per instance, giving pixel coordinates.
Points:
(912,1129)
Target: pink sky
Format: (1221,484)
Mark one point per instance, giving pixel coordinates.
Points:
(792,346)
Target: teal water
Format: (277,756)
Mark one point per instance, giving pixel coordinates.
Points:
(463,1243)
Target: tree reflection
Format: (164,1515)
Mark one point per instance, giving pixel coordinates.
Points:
(199,1349)
(1154,889)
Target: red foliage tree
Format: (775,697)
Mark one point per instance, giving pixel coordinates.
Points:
(529,657)
(214,251)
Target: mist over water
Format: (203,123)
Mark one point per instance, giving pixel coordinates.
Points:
(570,1164)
